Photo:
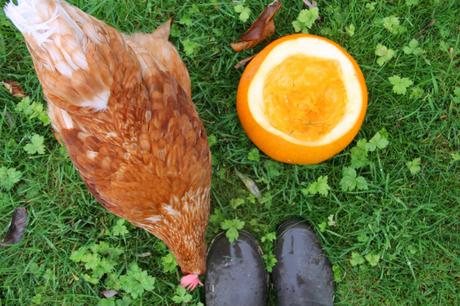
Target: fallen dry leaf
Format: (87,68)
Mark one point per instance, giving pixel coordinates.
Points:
(250,184)
(262,28)
(14,88)
(310,5)
(244,62)
(17,227)
(9,120)
(427,26)
(109,293)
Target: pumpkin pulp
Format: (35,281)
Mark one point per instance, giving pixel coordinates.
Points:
(305,96)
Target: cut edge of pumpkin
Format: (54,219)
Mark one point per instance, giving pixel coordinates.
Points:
(313,47)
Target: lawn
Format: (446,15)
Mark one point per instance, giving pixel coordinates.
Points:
(386,209)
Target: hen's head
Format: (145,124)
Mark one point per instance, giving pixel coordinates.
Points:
(182,227)
(191,258)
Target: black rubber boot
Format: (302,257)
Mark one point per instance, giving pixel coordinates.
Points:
(236,273)
(302,276)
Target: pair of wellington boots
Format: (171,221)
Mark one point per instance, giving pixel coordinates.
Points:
(236,275)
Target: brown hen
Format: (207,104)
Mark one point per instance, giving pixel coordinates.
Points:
(122,106)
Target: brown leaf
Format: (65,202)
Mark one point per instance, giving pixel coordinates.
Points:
(14,88)
(262,28)
(427,26)
(244,62)
(17,227)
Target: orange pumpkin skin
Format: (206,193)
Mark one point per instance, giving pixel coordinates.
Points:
(274,145)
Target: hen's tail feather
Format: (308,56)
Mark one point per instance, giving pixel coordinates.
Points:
(155,48)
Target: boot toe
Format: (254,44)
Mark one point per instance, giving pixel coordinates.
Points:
(303,273)
(235,272)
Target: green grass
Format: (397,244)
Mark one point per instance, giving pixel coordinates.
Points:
(410,221)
